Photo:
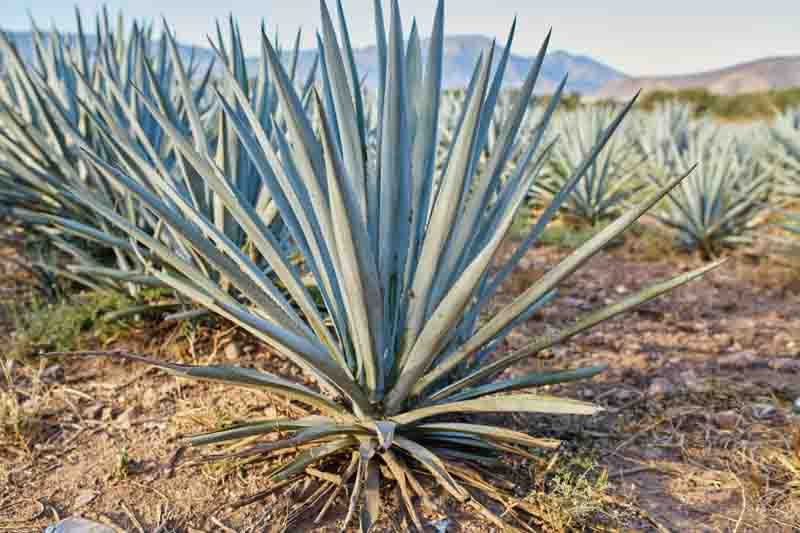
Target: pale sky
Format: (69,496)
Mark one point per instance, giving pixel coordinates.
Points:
(638,37)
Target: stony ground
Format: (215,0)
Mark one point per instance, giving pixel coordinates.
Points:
(698,432)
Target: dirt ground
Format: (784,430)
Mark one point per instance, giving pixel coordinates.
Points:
(698,432)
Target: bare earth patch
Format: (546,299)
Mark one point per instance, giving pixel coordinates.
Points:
(698,432)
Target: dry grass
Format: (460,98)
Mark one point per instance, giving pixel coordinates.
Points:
(24,403)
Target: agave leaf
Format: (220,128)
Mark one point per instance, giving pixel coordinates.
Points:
(372,510)
(198,131)
(443,219)
(250,429)
(447,315)
(545,284)
(291,198)
(523,403)
(490,433)
(434,465)
(394,186)
(536,379)
(425,138)
(399,471)
(558,200)
(239,376)
(363,298)
(349,129)
(309,457)
(581,325)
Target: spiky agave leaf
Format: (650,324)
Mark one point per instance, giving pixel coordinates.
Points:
(401,249)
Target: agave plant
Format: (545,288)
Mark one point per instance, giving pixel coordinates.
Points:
(721,201)
(401,254)
(39,164)
(607,183)
(789,244)
(656,131)
(100,108)
(786,132)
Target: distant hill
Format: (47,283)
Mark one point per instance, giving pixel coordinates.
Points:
(24,42)
(754,76)
(586,75)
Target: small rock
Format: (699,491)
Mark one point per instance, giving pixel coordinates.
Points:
(763,410)
(53,374)
(621,289)
(727,420)
(84,498)
(785,364)
(693,383)
(94,411)
(150,399)
(624,395)
(128,416)
(11,367)
(660,387)
(796,407)
(653,453)
(738,361)
(440,526)
(78,525)
(232,351)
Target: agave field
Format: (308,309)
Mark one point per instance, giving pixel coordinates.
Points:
(389,310)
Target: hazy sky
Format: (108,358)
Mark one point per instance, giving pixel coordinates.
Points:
(639,37)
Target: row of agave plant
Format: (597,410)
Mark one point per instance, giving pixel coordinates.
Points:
(357,235)
(742,175)
(94,93)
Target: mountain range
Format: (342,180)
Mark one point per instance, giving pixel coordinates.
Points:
(587,76)
(772,73)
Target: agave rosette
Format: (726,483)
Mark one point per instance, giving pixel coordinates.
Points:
(608,182)
(401,252)
(786,150)
(723,199)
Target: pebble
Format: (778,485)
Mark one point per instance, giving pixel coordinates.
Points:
(693,383)
(232,351)
(78,525)
(53,374)
(94,411)
(785,364)
(739,360)
(660,387)
(763,410)
(624,395)
(84,498)
(727,419)
(127,416)
(150,398)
